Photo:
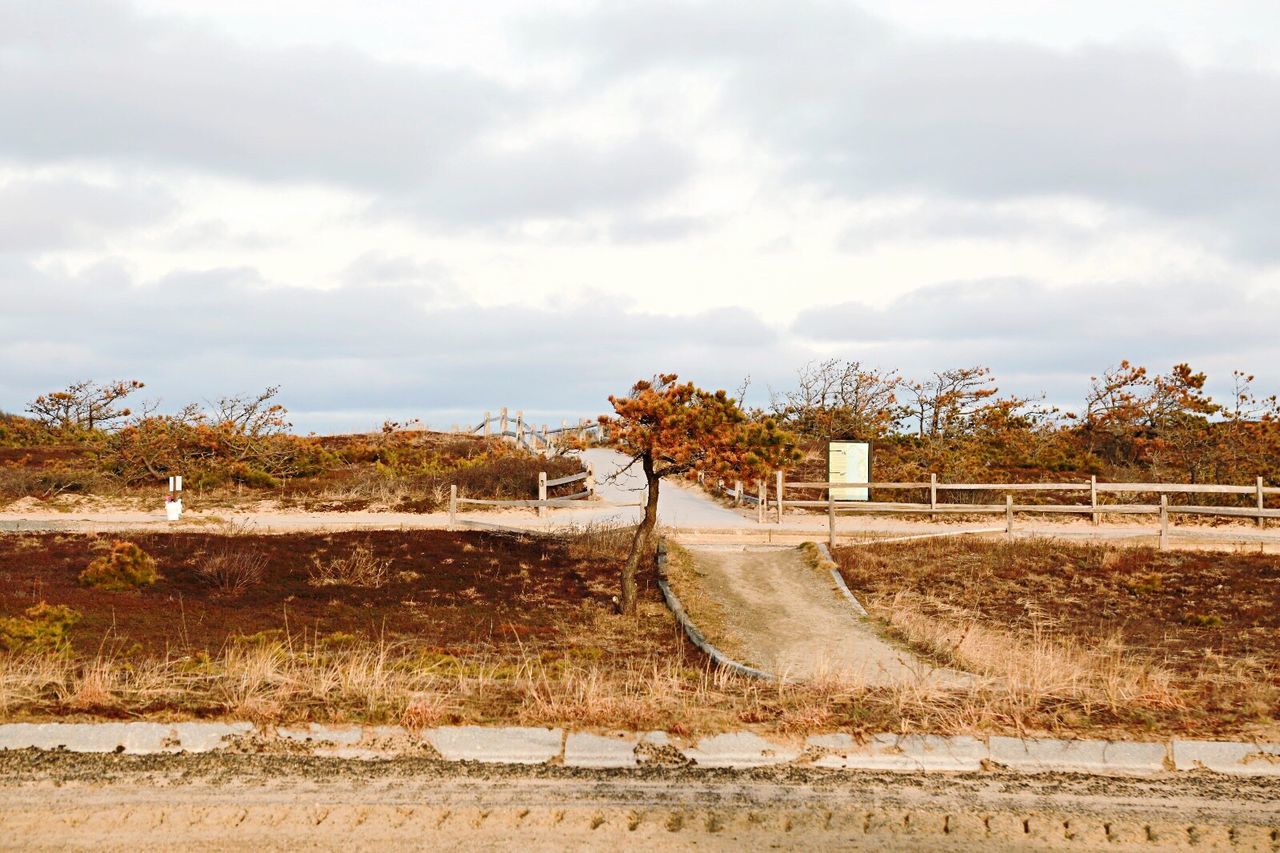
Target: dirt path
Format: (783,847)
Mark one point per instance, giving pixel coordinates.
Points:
(786,618)
(67,801)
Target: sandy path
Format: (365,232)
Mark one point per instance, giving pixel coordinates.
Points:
(788,619)
(64,801)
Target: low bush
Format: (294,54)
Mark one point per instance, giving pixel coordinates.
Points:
(358,568)
(42,629)
(233,570)
(127,567)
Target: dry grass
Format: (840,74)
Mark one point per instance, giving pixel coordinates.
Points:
(703,608)
(1030,691)
(358,568)
(598,540)
(233,570)
(1076,636)
(1037,668)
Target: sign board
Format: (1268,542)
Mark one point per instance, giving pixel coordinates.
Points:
(849,462)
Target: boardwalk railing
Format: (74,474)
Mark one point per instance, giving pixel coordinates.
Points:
(526,435)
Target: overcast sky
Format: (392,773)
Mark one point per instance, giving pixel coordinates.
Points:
(401,209)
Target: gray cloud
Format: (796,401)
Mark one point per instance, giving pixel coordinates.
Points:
(100,83)
(1043,338)
(356,353)
(42,214)
(859,110)
(349,356)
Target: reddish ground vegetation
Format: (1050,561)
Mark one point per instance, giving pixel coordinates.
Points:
(452,593)
(1176,607)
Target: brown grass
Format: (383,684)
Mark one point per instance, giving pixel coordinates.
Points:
(593,669)
(232,571)
(358,567)
(1092,632)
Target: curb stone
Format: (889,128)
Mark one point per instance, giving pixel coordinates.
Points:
(899,752)
(134,738)
(742,749)
(739,749)
(1078,755)
(1242,759)
(838,578)
(582,749)
(509,745)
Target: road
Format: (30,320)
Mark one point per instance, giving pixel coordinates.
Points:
(218,801)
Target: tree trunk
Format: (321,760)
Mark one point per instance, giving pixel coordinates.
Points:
(641,542)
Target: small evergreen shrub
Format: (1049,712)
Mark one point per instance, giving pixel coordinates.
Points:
(41,629)
(126,568)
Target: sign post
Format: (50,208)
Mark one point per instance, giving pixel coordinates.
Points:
(849,462)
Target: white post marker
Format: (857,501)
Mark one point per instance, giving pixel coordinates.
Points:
(173,500)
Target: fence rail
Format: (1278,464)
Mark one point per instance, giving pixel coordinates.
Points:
(523,434)
(541,503)
(777,503)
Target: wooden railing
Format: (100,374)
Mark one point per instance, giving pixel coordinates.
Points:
(1094,509)
(526,435)
(542,502)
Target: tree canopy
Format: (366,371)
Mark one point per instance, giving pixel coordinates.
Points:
(671,428)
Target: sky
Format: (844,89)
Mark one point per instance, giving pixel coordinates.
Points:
(399,210)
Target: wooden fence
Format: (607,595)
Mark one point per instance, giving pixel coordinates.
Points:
(587,478)
(528,436)
(1095,509)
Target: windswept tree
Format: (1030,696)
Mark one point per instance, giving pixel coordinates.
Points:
(84,405)
(841,399)
(944,404)
(669,429)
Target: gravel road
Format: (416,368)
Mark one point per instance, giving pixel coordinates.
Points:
(273,802)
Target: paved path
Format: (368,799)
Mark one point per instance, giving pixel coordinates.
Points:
(679,505)
(787,618)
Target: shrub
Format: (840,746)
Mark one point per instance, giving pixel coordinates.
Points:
(359,568)
(126,568)
(42,629)
(233,570)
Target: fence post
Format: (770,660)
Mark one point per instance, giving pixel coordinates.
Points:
(453,506)
(1164,522)
(487,426)
(1262,504)
(933,495)
(502,421)
(831,518)
(1008,516)
(760,504)
(781,486)
(519,427)
(1093,498)
(591,480)
(737,493)
(542,493)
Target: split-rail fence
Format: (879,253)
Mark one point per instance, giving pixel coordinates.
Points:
(774,506)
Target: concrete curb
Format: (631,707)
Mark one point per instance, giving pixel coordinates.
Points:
(839,579)
(735,750)
(691,631)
